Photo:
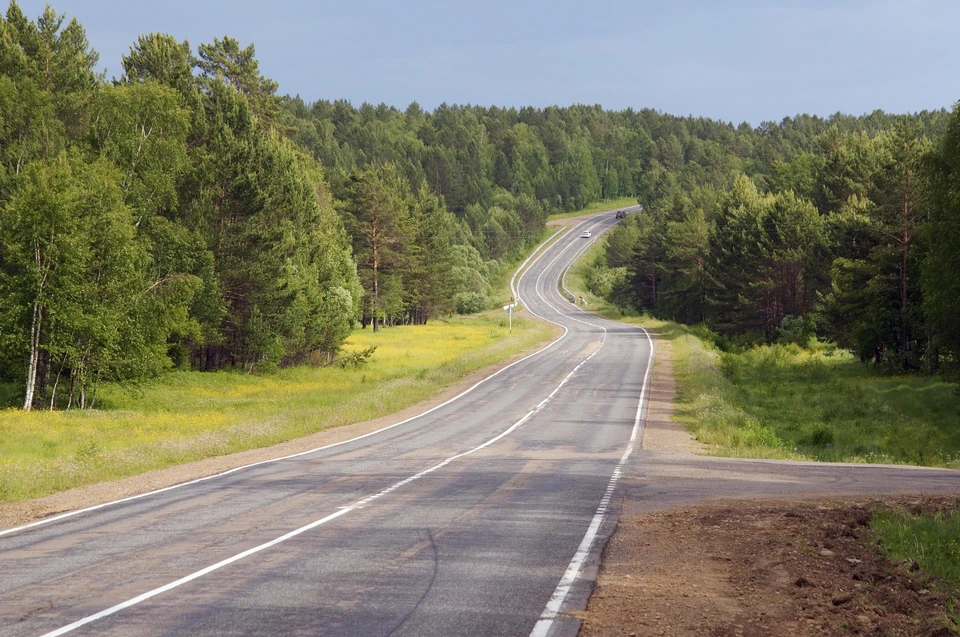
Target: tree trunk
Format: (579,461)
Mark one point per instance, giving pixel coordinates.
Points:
(904,327)
(653,284)
(56,383)
(904,316)
(34,356)
(376,296)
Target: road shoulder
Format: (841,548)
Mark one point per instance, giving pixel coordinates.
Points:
(661,432)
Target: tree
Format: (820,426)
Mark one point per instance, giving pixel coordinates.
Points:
(899,214)
(762,259)
(941,269)
(239,67)
(159,57)
(376,210)
(79,274)
(874,273)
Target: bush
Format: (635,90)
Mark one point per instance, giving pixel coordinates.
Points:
(471,302)
(796,329)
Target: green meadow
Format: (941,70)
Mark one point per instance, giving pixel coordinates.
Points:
(185,416)
(802,403)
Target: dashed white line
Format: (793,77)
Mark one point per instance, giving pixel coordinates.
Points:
(343,510)
(70,514)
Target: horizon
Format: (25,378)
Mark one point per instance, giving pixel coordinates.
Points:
(741,62)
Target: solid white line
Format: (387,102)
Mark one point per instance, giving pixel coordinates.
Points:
(69,514)
(342,511)
(545,623)
(513,290)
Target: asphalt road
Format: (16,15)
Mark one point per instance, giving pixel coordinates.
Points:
(484,516)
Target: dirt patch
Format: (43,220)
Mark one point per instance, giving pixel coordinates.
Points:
(17,513)
(743,567)
(775,568)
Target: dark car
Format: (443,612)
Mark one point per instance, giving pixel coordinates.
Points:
(621,214)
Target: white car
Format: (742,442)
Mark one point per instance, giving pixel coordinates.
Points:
(586,234)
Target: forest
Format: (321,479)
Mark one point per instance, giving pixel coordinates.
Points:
(185,215)
(851,236)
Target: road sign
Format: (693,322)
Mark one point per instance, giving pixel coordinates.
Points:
(509,310)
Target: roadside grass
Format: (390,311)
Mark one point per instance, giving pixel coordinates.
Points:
(788,402)
(501,281)
(576,283)
(185,416)
(930,538)
(596,206)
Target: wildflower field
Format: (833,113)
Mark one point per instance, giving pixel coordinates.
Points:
(185,416)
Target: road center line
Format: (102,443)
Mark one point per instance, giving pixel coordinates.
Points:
(344,510)
(70,514)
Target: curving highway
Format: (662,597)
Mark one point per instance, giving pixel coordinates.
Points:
(483,516)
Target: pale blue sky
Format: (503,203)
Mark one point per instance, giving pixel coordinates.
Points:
(743,60)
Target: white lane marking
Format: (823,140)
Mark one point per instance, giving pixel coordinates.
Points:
(563,278)
(342,511)
(69,514)
(543,625)
(516,293)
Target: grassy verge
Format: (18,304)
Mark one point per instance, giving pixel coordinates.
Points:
(930,538)
(576,283)
(186,416)
(597,206)
(501,282)
(784,401)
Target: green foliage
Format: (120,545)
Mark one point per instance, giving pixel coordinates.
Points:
(941,272)
(77,270)
(155,221)
(471,302)
(845,226)
(930,538)
(788,402)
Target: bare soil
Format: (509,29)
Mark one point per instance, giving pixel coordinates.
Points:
(770,568)
(747,567)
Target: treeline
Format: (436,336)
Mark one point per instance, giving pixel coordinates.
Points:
(186,215)
(854,238)
(160,219)
(169,217)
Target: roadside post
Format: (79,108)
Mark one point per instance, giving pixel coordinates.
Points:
(509,310)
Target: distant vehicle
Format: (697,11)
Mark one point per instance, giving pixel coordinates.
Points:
(621,214)
(586,234)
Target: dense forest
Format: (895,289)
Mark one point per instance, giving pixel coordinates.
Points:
(185,215)
(851,236)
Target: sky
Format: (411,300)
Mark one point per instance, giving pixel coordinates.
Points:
(735,61)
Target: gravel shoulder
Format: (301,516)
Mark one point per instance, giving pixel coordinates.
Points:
(800,566)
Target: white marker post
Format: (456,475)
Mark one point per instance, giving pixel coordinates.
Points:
(509,311)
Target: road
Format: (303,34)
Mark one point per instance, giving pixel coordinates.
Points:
(484,516)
